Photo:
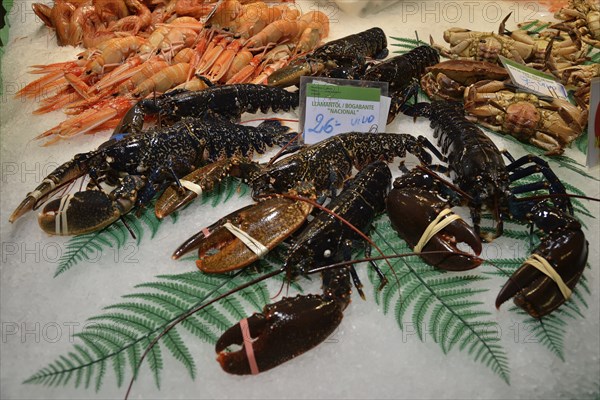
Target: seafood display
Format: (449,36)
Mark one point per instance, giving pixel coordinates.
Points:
(180,53)
(293,326)
(418,212)
(324,166)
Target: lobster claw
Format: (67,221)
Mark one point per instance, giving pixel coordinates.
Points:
(62,175)
(281,332)
(412,210)
(72,215)
(268,223)
(201,180)
(566,251)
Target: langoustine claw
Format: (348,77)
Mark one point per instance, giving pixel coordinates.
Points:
(564,249)
(412,208)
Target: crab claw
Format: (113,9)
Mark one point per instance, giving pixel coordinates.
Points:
(281,332)
(412,210)
(267,223)
(89,211)
(566,251)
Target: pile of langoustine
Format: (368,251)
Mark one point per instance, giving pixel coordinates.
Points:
(237,44)
(91,22)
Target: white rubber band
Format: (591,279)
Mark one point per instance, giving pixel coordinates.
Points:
(544,267)
(60,219)
(257,247)
(189,185)
(36,194)
(434,227)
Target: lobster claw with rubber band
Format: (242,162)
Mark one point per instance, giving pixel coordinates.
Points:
(545,280)
(281,332)
(428,225)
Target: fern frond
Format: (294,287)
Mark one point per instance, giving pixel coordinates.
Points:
(119,335)
(406,44)
(443,304)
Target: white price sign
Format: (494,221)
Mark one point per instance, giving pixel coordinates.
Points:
(534,80)
(333,109)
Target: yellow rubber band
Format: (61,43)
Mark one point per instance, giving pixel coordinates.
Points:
(544,267)
(189,185)
(434,227)
(257,247)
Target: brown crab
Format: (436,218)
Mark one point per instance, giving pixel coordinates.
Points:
(545,122)
(584,16)
(449,79)
(482,46)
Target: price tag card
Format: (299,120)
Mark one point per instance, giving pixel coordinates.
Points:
(333,106)
(534,80)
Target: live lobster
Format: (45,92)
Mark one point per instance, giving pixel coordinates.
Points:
(136,167)
(484,181)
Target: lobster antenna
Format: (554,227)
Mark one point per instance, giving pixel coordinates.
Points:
(554,195)
(280,152)
(280,290)
(128,227)
(384,257)
(191,312)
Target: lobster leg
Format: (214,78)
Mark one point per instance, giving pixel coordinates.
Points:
(285,329)
(564,248)
(552,183)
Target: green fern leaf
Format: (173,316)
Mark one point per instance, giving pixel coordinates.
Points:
(179,350)
(443,303)
(406,44)
(119,335)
